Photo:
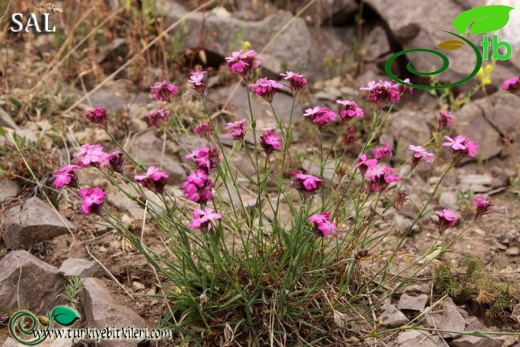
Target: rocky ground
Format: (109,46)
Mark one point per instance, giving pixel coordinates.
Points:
(44,242)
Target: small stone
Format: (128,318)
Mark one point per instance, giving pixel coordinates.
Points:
(81,268)
(449,319)
(414,338)
(513,251)
(402,224)
(449,200)
(413,303)
(8,189)
(392,317)
(138,286)
(424,288)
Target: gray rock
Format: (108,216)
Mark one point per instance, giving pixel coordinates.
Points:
(8,189)
(119,199)
(102,311)
(414,338)
(402,224)
(448,200)
(513,251)
(413,303)
(334,12)
(449,319)
(376,44)
(35,222)
(392,317)
(473,324)
(81,268)
(27,282)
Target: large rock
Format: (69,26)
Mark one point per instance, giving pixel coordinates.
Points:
(449,319)
(414,338)
(335,12)
(34,222)
(29,283)
(81,268)
(8,189)
(102,311)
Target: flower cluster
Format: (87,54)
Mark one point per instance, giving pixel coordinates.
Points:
(320,116)
(98,115)
(380,178)
(383,92)
(349,110)
(164,91)
(243,63)
(461,146)
(383,152)
(237,131)
(93,155)
(265,88)
(322,224)
(296,81)
(198,185)
(446,119)
(158,117)
(154,179)
(205,129)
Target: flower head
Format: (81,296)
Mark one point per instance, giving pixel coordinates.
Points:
(306,184)
(92,200)
(383,92)
(512,84)
(322,224)
(205,129)
(115,160)
(66,176)
(154,179)
(197,81)
(296,81)
(90,155)
(482,205)
(349,110)
(197,187)
(447,219)
(243,63)
(419,153)
(164,91)
(269,141)
(349,137)
(383,151)
(380,178)
(237,130)
(265,88)
(461,146)
(158,117)
(98,115)
(365,164)
(202,218)
(205,158)
(321,116)
(446,119)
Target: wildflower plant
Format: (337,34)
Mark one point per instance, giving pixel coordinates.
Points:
(253,274)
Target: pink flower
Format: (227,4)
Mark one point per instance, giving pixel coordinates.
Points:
(164,91)
(296,81)
(92,200)
(322,224)
(512,84)
(115,160)
(154,179)
(363,164)
(419,153)
(269,141)
(446,119)
(265,88)
(306,184)
(205,129)
(321,116)
(482,205)
(158,117)
(380,178)
(66,177)
(461,146)
(243,63)
(349,110)
(98,115)
(197,187)
(383,92)
(237,130)
(90,155)
(383,151)
(205,158)
(202,218)
(349,137)
(197,79)
(447,219)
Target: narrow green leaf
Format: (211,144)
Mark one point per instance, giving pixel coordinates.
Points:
(482,20)
(65,315)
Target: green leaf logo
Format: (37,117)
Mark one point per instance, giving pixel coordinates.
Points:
(65,315)
(482,19)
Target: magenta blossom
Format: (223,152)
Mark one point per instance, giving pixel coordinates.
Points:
(205,129)
(197,187)
(115,160)
(482,205)
(383,92)
(90,155)
(461,146)
(98,115)
(66,177)
(202,218)
(243,63)
(197,81)
(92,200)
(380,178)
(349,110)
(419,153)
(447,219)
(237,130)
(205,158)
(365,164)
(269,141)
(158,117)
(383,152)
(164,91)
(321,116)
(296,81)
(266,88)
(349,137)
(446,119)
(322,224)
(154,179)
(512,84)
(306,184)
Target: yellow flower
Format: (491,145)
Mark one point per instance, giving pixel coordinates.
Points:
(246,45)
(480,72)
(486,81)
(489,68)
